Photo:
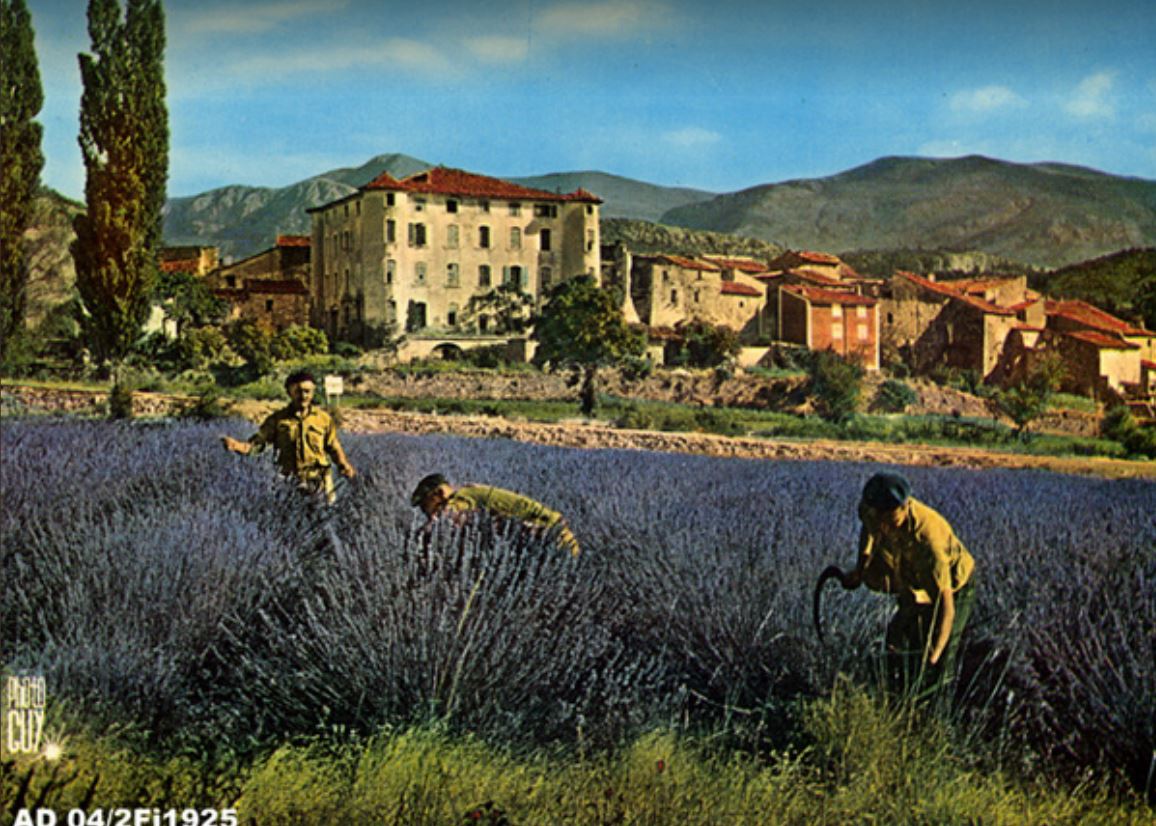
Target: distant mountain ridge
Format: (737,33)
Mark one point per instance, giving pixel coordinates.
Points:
(242,220)
(1045,215)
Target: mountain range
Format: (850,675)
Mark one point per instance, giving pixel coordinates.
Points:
(1044,215)
(1041,215)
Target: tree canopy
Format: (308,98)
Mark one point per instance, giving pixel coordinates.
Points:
(124,140)
(21,159)
(582,325)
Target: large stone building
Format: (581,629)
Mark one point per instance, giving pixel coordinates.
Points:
(408,255)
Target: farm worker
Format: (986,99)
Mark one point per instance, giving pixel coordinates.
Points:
(908,549)
(303,437)
(435,496)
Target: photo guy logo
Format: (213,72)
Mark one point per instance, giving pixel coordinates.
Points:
(24,700)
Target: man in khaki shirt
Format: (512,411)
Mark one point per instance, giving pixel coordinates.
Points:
(909,550)
(303,437)
(435,496)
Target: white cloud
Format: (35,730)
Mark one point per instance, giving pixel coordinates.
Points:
(986,99)
(614,18)
(402,53)
(691,137)
(1092,97)
(245,18)
(498,48)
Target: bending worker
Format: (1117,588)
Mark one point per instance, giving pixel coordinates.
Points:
(908,549)
(303,437)
(435,496)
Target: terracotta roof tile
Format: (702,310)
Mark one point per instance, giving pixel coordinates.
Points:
(294,241)
(748,265)
(681,261)
(442,180)
(818,257)
(1084,313)
(945,289)
(1103,340)
(735,288)
(817,295)
(1151,365)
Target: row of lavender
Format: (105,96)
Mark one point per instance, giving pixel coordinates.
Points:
(161,583)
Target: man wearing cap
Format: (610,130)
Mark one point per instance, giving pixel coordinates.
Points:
(303,437)
(435,496)
(908,549)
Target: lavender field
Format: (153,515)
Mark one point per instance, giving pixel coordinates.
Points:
(169,589)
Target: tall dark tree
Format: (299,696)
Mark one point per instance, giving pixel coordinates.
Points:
(124,138)
(21,159)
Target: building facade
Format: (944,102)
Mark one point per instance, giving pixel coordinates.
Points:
(823,319)
(409,255)
(269,288)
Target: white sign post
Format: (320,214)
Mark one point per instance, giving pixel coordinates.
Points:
(334,388)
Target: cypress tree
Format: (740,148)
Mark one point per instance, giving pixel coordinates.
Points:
(21,159)
(124,140)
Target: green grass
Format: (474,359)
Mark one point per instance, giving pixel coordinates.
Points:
(860,759)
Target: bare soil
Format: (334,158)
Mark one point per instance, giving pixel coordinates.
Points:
(587,435)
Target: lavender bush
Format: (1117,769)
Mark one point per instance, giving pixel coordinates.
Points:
(154,578)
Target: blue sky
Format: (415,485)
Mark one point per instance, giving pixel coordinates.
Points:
(719,96)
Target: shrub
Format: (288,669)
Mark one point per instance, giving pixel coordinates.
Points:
(295,342)
(200,347)
(895,396)
(120,401)
(709,345)
(254,344)
(836,385)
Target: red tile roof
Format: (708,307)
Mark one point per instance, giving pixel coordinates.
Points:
(1082,312)
(735,288)
(978,285)
(805,274)
(817,295)
(682,261)
(294,241)
(444,181)
(818,257)
(740,264)
(1103,340)
(1151,365)
(944,288)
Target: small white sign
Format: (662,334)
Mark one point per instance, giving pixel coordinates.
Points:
(334,386)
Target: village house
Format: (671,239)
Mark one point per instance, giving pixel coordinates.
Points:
(826,319)
(807,268)
(669,291)
(408,255)
(269,288)
(1105,356)
(963,324)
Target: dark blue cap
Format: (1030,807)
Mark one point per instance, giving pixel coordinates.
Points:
(886,491)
